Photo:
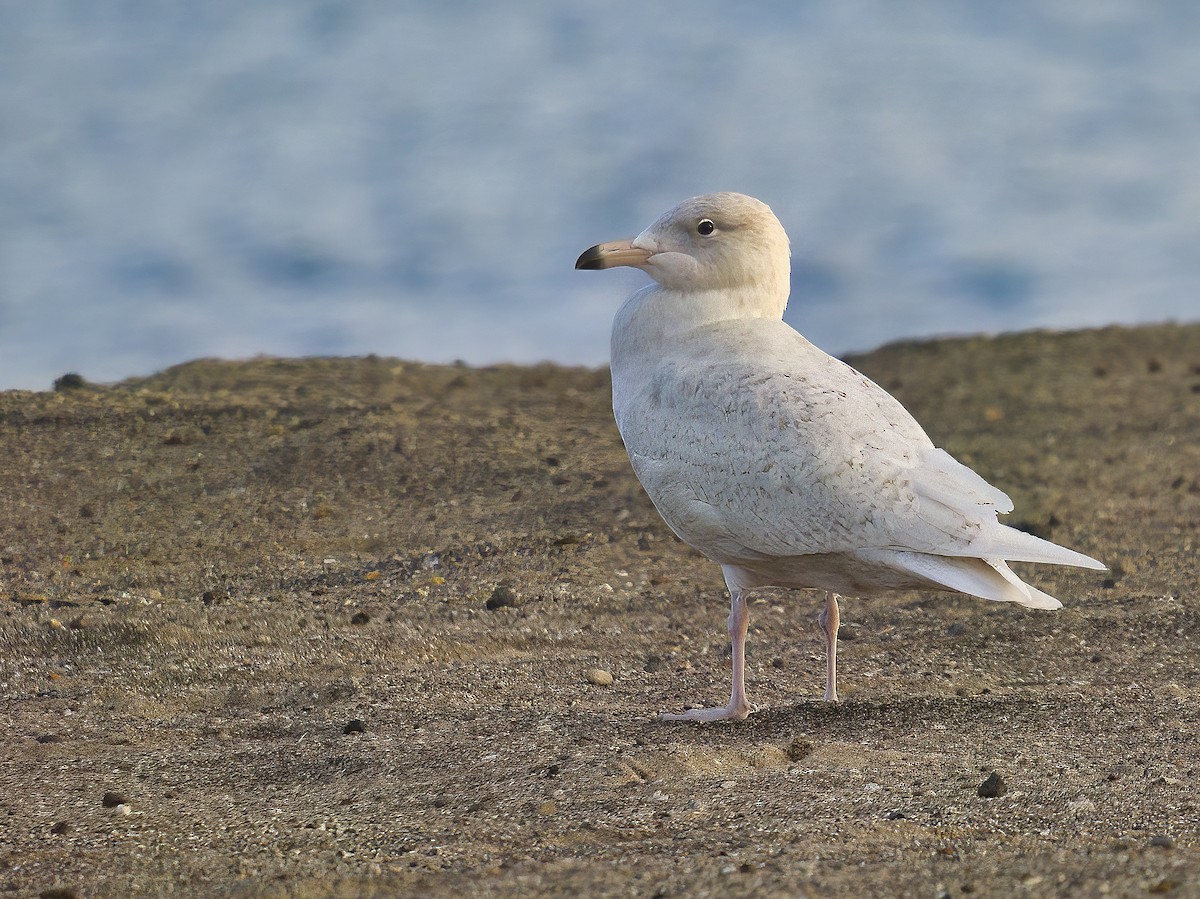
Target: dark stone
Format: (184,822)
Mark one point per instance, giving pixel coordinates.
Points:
(502,596)
(112,799)
(354,726)
(992,787)
(69,381)
(360,618)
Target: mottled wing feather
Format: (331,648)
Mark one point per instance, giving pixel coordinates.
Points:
(753,443)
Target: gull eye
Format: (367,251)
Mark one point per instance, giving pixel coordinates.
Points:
(705,227)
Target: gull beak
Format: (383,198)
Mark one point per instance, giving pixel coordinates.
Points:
(610,255)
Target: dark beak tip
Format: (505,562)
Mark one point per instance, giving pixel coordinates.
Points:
(589,259)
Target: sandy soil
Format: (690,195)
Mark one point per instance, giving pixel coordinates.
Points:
(327,627)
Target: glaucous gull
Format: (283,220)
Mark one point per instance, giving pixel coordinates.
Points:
(783,465)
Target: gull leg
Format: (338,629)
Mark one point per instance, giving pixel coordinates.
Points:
(829,619)
(738,708)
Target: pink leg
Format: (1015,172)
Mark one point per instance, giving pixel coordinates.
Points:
(738,708)
(829,619)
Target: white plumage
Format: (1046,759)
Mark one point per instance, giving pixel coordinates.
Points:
(782,464)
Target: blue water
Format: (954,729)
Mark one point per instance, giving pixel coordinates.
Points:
(181,179)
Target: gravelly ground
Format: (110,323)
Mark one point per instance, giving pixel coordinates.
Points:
(208,574)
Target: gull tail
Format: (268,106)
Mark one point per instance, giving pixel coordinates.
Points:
(984,578)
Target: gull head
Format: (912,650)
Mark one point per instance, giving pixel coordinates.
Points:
(722,241)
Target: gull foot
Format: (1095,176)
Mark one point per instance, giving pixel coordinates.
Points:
(724,713)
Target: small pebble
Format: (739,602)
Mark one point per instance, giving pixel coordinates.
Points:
(992,787)
(599,676)
(1162,842)
(360,618)
(354,726)
(58,828)
(1081,805)
(122,809)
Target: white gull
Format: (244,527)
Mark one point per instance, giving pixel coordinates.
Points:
(782,464)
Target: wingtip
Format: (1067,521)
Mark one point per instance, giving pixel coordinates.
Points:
(1014,545)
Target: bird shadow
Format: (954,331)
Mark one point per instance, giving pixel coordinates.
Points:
(853,720)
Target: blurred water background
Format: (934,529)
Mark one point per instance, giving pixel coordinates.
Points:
(181,179)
